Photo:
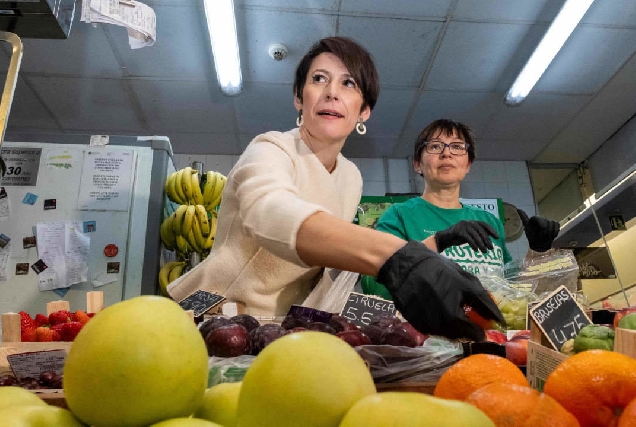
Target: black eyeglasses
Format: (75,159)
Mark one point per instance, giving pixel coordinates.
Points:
(456,148)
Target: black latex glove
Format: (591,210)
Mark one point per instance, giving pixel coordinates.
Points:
(540,231)
(430,292)
(475,233)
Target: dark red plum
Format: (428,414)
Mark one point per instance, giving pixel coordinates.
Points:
(354,338)
(227,341)
(249,322)
(397,335)
(262,336)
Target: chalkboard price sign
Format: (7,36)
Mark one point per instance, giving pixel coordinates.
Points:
(559,316)
(361,308)
(201,301)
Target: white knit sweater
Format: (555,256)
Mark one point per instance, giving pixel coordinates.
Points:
(276,184)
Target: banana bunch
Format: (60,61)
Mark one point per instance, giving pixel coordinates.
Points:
(189,229)
(185,188)
(213,184)
(170,272)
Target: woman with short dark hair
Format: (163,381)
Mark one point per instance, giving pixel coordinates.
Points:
(288,207)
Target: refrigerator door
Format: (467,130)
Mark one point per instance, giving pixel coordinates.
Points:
(128,237)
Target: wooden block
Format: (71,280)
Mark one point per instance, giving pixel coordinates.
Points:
(11,327)
(536,334)
(53,306)
(624,342)
(94,301)
(191,314)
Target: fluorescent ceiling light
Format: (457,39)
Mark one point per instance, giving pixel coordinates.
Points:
(568,18)
(222,28)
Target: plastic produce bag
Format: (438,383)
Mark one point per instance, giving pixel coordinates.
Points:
(228,369)
(511,299)
(549,270)
(426,363)
(332,291)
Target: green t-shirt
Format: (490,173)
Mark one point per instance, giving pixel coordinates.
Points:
(417,219)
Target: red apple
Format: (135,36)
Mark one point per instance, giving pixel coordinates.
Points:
(419,337)
(494,335)
(517,351)
(524,334)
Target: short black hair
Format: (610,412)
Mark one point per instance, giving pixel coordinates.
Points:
(357,60)
(447,127)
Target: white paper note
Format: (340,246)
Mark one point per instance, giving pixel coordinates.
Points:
(50,244)
(5,211)
(77,247)
(138,18)
(106,182)
(5,254)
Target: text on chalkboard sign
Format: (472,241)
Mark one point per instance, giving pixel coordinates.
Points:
(559,316)
(361,308)
(201,301)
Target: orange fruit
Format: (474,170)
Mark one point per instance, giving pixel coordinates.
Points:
(474,372)
(595,386)
(520,406)
(628,417)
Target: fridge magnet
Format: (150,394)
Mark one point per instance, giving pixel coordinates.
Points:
(89,226)
(50,204)
(111,250)
(21,268)
(28,242)
(61,292)
(3,193)
(4,240)
(29,199)
(39,266)
(112,267)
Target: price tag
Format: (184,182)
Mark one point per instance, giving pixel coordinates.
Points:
(32,364)
(201,301)
(559,317)
(361,308)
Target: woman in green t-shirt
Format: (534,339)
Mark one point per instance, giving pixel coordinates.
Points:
(471,237)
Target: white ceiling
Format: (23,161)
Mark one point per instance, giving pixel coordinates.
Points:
(436,58)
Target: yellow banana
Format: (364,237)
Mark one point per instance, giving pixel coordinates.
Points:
(182,245)
(202,218)
(176,271)
(197,196)
(207,244)
(208,187)
(178,188)
(164,274)
(214,221)
(192,241)
(177,219)
(167,186)
(188,219)
(166,233)
(199,240)
(186,183)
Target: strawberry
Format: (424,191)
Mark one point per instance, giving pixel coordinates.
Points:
(70,330)
(61,316)
(26,321)
(43,334)
(41,320)
(28,335)
(58,330)
(57,336)
(80,316)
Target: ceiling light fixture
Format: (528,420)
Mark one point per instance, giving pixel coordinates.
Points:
(566,20)
(222,28)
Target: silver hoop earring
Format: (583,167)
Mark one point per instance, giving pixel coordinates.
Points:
(299,119)
(360,127)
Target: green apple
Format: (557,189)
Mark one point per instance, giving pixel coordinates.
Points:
(220,404)
(186,422)
(14,396)
(308,379)
(135,363)
(413,410)
(37,416)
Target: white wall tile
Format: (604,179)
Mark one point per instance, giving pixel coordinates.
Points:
(494,171)
(528,209)
(399,187)
(472,190)
(494,190)
(419,184)
(399,169)
(373,188)
(219,163)
(476,173)
(371,169)
(520,193)
(517,171)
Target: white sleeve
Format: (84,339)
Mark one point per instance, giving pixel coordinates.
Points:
(269,203)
